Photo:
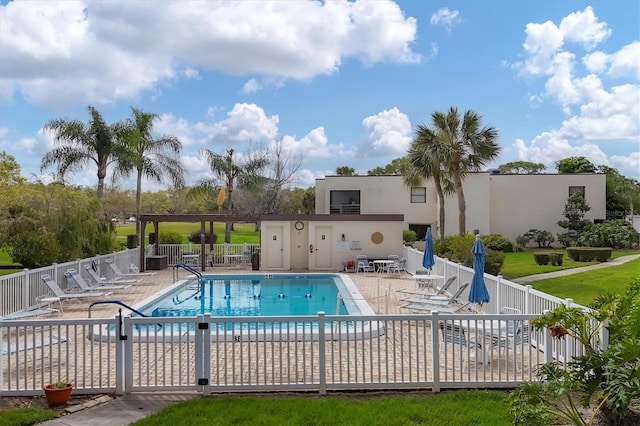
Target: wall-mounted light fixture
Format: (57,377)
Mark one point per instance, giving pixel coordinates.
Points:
(275,237)
(343,238)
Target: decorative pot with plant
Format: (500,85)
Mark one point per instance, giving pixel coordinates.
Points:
(58,393)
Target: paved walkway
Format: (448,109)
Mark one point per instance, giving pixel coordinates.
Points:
(126,409)
(614,262)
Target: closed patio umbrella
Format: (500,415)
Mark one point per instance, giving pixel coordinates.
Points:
(427,257)
(478,293)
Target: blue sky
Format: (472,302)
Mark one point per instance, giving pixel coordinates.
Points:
(331,84)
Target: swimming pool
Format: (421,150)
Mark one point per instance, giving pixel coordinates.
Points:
(250,307)
(263,295)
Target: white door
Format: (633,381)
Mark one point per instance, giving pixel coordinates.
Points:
(323,248)
(273,255)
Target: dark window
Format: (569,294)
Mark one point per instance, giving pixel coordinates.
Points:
(418,194)
(420,229)
(574,189)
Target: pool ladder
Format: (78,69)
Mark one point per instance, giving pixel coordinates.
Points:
(186,268)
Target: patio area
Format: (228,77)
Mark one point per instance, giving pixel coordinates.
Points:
(409,353)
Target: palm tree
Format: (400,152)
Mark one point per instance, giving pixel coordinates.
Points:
(152,158)
(80,144)
(225,168)
(426,160)
(466,146)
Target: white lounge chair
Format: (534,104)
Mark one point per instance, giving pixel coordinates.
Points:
(443,291)
(134,271)
(438,300)
(74,277)
(11,347)
(104,280)
(58,292)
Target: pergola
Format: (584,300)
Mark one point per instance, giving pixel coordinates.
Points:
(203,218)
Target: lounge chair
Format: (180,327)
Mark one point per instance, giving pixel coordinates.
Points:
(443,291)
(29,344)
(104,280)
(438,300)
(73,277)
(58,292)
(27,313)
(445,309)
(134,271)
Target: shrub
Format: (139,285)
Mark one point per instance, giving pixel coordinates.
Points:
(209,238)
(408,237)
(33,249)
(497,242)
(588,254)
(543,238)
(605,379)
(170,237)
(458,249)
(546,258)
(541,258)
(613,233)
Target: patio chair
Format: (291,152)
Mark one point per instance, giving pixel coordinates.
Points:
(363,264)
(443,309)
(514,340)
(397,266)
(58,292)
(134,271)
(74,279)
(461,348)
(104,280)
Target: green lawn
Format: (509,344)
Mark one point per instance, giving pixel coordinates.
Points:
(242,232)
(462,407)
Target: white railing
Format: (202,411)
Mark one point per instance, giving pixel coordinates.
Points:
(214,354)
(191,353)
(216,254)
(21,290)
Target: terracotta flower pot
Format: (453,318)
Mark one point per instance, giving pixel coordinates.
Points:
(56,395)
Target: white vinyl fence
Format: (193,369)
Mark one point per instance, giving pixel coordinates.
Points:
(317,353)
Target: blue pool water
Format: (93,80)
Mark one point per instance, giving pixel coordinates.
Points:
(256,295)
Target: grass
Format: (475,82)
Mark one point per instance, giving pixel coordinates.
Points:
(462,407)
(25,416)
(522,264)
(584,287)
(242,232)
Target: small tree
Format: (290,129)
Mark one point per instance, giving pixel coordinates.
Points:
(574,212)
(606,380)
(543,238)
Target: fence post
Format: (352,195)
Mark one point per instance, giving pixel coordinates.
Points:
(322,359)
(435,327)
(527,299)
(26,301)
(548,343)
(498,302)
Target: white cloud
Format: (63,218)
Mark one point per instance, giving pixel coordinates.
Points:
(388,132)
(584,28)
(53,47)
(445,17)
(250,86)
(548,147)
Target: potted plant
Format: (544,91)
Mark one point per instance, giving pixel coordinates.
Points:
(58,393)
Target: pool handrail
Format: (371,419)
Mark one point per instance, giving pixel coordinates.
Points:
(188,269)
(116,302)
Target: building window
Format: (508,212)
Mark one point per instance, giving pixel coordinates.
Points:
(418,194)
(574,189)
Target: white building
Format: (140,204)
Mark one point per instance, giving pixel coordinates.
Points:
(505,204)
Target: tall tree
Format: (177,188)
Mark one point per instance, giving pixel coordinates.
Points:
(226,169)
(345,171)
(623,194)
(426,159)
(467,145)
(151,157)
(522,167)
(575,165)
(397,167)
(9,170)
(81,144)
